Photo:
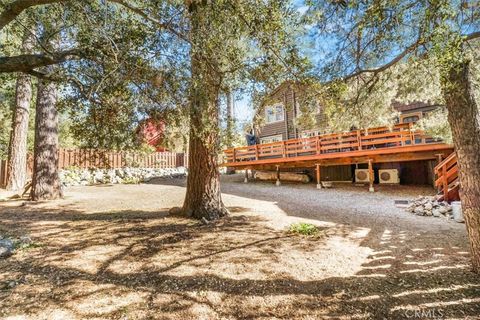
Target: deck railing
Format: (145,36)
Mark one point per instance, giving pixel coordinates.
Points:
(447,175)
(357,140)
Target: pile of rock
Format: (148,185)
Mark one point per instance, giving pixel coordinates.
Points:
(430,206)
(8,245)
(84,177)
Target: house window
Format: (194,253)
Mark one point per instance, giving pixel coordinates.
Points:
(274,113)
(310,133)
(410,118)
(271,139)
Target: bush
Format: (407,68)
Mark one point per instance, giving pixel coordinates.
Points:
(131,180)
(306,229)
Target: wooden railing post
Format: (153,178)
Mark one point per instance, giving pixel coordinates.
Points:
(412,135)
(234,155)
(359,140)
(284,149)
(256,152)
(445,183)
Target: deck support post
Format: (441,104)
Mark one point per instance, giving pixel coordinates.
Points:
(439,157)
(278,183)
(370,176)
(246,176)
(319,182)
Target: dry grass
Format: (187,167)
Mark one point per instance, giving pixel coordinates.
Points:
(113,253)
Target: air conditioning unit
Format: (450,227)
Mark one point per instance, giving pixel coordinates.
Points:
(389,176)
(362,175)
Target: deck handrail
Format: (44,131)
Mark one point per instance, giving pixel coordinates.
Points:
(447,174)
(356,140)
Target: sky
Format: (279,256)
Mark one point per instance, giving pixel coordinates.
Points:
(243,105)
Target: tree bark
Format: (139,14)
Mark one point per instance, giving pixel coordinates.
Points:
(17,149)
(11,11)
(46,182)
(203,198)
(230,124)
(464,119)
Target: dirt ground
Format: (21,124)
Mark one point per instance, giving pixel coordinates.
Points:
(112,252)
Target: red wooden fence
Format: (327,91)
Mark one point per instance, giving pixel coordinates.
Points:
(91,158)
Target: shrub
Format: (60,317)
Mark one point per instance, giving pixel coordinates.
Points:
(306,229)
(131,180)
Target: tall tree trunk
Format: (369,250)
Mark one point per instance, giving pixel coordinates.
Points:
(464,119)
(46,183)
(230,124)
(17,149)
(203,198)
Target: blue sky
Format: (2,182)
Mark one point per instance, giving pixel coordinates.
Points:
(243,104)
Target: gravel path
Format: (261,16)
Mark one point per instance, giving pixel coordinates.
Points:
(343,204)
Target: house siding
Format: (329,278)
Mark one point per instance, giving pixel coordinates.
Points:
(285,127)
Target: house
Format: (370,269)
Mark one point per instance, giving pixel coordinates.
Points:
(151,131)
(283,107)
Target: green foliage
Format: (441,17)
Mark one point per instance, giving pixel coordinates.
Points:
(436,125)
(176,129)
(401,50)
(28,246)
(131,180)
(306,229)
(7,101)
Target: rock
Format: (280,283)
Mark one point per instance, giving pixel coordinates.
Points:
(6,248)
(76,177)
(204,221)
(25,240)
(429,206)
(419,211)
(175,211)
(442,210)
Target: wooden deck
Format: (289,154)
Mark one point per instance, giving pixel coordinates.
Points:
(397,144)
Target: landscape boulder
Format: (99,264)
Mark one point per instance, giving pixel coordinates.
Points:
(429,206)
(6,248)
(83,177)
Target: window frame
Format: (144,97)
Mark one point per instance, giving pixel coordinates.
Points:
(274,107)
(403,116)
(262,139)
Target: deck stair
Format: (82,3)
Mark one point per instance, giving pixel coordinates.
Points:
(447,180)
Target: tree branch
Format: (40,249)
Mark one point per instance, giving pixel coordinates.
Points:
(403,54)
(140,12)
(387,65)
(12,10)
(28,62)
(473,35)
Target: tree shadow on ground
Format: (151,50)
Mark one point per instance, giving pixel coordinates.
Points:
(139,264)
